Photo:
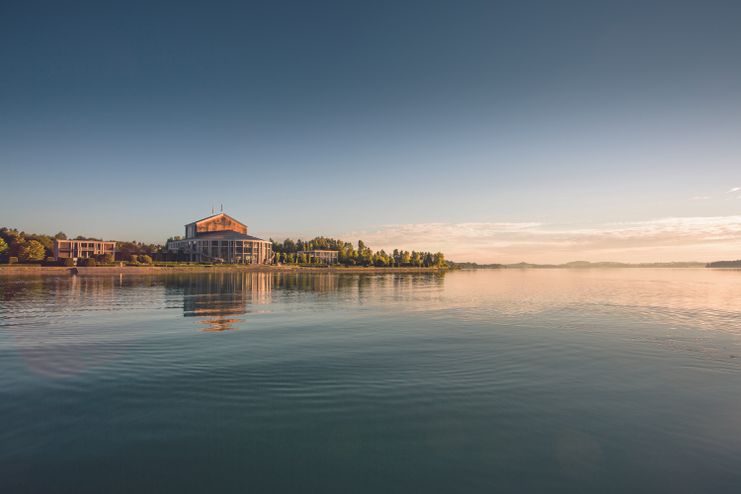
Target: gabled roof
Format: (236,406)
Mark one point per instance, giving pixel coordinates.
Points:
(224,235)
(213,216)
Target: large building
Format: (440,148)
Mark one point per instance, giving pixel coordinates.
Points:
(64,249)
(220,238)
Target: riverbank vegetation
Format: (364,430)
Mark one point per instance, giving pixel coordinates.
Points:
(725,264)
(19,246)
(288,252)
(22,247)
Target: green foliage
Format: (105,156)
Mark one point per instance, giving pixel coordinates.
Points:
(87,262)
(12,260)
(104,258)
(14,239)
(285,252)
(68,262)
(347,255)
(127,249)
(17,240)
(32,250)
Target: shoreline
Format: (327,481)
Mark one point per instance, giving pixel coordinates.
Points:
(36,270)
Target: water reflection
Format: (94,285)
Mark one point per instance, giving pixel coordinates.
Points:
(696,298)
(557,377)
(64,325)
(215,299)
(220,301)
(60,326)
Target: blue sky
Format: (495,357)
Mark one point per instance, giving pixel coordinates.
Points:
(449,121)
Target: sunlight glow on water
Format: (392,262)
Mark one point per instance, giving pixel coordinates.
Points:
(598,380)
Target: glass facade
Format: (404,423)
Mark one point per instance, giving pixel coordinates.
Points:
(229,251)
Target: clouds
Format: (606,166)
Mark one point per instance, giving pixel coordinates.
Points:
(664,239)
(732,190)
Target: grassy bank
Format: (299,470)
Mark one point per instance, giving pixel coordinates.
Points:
(38,270)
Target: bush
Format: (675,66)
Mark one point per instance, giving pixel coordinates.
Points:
(89,263)
(134,259)
(145,259)
(104,258)
(12,260)
(68,262)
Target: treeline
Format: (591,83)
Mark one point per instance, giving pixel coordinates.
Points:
(21,246)
(26,247)
(473,265)
(287,252)
(724,264)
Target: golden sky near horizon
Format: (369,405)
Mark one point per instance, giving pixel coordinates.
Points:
(660,240)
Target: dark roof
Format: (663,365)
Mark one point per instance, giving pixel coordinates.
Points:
(223,235)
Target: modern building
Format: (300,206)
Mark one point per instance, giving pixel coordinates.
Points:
(64,249)
(220,238)
(322,256)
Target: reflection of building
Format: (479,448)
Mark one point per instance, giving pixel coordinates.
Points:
(220,238)
(322,256)
(82,248)
(217,300)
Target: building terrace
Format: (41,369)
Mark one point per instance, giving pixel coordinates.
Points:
(321,256)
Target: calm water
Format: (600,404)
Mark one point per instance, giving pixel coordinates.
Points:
(506,381)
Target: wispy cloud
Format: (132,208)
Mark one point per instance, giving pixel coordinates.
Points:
(664,239)
(734,189)
(699,198)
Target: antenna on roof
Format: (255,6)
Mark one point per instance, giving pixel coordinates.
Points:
(222,207)
(212,208)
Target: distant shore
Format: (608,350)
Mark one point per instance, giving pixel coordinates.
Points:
(37,270)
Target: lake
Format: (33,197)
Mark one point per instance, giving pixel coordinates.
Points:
(472,381)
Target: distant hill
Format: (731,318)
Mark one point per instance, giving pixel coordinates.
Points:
(473,265)
(609,264)
(527,265)
(590,265)
(724,264)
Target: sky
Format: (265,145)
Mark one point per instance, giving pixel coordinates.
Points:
(533,131)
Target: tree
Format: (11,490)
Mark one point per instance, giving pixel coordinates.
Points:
(3,246)
(45,240)
(105,258)
(145,259)
(14,239)
(61,236)
(32,251)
